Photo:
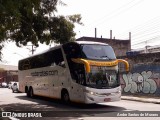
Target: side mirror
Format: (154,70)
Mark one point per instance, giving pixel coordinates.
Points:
(123,66)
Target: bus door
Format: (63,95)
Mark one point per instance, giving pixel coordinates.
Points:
(77,84)
(77,72)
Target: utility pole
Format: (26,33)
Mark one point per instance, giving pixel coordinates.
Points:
(130,41)
(146,47)
(32,49)
(129,35)
(95,32)
(110,34)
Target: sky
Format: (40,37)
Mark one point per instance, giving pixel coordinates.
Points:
(140,17)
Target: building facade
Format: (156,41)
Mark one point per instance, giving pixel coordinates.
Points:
(120,46)
(8,73)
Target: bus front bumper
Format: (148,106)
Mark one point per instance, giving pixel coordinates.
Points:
(99,98)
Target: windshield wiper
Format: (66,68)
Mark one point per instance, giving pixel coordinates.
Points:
(105,57)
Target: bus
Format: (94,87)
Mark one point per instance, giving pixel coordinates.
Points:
(81,71)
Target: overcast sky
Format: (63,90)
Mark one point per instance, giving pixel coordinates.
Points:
(140,17)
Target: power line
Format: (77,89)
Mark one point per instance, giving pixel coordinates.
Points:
(108,14)
(115,12)
(140,27)
(150,29)
(145,34)
(120,11)
(148,40)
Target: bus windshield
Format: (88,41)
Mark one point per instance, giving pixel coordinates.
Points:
(97,52)
(101,77)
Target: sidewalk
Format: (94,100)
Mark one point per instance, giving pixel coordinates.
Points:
(155,100)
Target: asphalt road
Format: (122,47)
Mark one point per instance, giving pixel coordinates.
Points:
(51,109)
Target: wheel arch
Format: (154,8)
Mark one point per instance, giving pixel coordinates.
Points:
(63,91)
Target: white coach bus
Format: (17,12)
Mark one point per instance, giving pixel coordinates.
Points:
(83,72)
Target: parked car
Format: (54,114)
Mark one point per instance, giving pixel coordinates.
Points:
(10,84)
(4,85)
(15,87)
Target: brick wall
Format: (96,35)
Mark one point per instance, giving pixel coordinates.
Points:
(6,76)
(3,75)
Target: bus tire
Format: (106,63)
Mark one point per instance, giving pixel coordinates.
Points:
(65,97)
(27,91)
(28,94)
(31,94)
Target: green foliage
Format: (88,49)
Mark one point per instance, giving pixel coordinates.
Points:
(35,21)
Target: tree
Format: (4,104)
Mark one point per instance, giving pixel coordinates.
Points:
(35,21)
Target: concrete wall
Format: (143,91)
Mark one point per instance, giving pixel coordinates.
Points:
(144,75)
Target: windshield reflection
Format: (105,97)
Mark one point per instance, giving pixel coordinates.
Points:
(101,78)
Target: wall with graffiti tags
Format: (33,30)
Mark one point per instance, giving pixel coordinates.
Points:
(143,78)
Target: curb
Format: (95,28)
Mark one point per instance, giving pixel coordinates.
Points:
(145,100)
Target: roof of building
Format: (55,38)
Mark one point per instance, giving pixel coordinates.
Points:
(8,67)
(101,39)
(149,49)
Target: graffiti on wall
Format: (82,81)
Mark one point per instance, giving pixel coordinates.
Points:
(139,82)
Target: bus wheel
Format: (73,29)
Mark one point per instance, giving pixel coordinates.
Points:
(31,93)
(65,97)
(28,94)
(27,91)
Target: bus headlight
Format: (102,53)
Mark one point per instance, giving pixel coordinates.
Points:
(90,92)
(102,94)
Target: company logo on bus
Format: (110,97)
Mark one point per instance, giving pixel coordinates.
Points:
(45,73)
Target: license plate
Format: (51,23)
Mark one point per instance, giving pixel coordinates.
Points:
(107,99)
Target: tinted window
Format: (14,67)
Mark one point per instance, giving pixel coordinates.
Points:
(15,84)
(98,52)
(77,71)
(54,57)
(72,50)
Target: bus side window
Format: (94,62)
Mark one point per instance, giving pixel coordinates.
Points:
(57,58)
(72,50)
(49,58)
(26,65)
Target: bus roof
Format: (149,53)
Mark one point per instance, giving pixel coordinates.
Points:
(90,42)
(58,46)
